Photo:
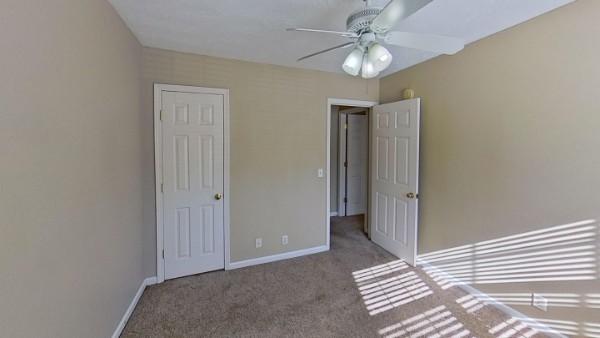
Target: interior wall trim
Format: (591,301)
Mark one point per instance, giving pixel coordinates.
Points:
(493,302)
(146,282)
(277,257)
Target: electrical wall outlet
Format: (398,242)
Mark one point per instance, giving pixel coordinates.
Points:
(259,243)
(320,173)
(539,301)
(284,239)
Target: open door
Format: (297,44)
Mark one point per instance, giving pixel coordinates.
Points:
(395,177)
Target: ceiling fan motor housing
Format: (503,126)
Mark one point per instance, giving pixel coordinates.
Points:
(361,20)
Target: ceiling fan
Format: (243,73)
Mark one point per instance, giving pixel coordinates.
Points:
(370,27)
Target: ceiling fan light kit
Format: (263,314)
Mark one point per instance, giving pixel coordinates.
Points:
(371,60)
(370,27)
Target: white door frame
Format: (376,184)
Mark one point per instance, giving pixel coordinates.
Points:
(337,102)
(158,89)
(342,156)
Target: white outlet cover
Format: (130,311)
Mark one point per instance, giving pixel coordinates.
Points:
(320,172)
(284,239)
(539,302)
(259,243)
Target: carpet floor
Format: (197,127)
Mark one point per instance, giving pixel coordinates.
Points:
(356,289)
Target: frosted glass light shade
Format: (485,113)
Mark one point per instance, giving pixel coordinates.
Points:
(353,62)
(379,56)
(368,69)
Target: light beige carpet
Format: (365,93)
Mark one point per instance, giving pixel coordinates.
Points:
(354,290)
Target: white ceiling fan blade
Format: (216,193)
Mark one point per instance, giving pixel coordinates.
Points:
(428,42)
(310,30)
(395,11)
(344,45)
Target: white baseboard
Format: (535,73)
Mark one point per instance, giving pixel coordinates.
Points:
(146,282)
(499,305)
(277,257)
(333,213)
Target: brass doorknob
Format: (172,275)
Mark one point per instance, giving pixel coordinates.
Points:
(410,195)
(218,196)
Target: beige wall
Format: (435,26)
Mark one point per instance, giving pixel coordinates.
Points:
(278,138)
(511,142)
(70,186)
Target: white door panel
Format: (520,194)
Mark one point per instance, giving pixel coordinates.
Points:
(357,159)
(193,153)
(395,177)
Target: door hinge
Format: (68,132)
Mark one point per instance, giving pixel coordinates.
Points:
(163,254)
(162,188)
(161,115)
(345,200)
(345,125)
(346,164)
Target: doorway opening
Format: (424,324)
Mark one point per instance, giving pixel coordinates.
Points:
(377,186)
(352,161)
(348,159)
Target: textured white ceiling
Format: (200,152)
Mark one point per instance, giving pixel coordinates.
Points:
(254,30)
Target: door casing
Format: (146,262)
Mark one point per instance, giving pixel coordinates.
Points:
(158,153)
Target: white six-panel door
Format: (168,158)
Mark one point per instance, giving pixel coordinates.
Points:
(394,177)
(193,181)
